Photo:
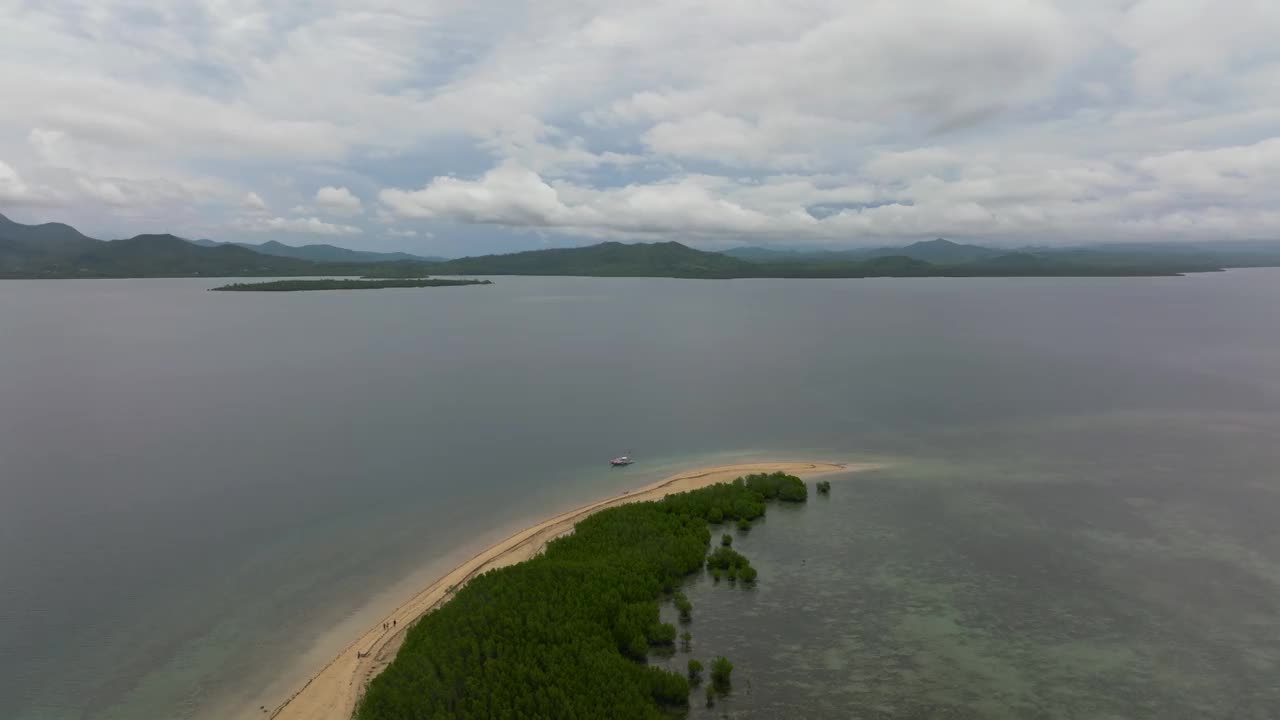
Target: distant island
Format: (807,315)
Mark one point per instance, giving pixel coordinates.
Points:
(58,251)
(339,284)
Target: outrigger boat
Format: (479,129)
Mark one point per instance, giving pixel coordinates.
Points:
(621,461)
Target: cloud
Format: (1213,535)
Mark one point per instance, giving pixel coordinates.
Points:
(1223,173)
(14,190)
(254,203)
(53,147)
(306,225)
(507,195)
(512,195)
(831,121)
(393,232)
(1039,195)
(338,201)
(776,141)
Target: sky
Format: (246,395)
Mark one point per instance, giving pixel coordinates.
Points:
(457,128)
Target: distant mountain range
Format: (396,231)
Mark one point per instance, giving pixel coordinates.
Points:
(942,252)
(323,253)
(609,259)
(55,250)
(1097,259)
(923,259)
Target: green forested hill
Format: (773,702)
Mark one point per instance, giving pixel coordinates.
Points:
(609,259)
(54,250)
(322,252)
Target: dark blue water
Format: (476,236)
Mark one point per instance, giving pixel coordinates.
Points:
(204,495)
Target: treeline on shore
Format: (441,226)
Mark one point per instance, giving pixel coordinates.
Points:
(340,284)
(566,634)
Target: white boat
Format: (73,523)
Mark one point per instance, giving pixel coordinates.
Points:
(621,461)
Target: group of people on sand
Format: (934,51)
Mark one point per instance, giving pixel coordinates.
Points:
(385,626)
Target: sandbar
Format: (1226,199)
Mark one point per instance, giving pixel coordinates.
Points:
(331,693)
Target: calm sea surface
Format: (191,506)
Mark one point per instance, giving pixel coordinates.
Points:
(205,495)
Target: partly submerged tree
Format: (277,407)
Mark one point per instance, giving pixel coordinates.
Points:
(695,672)
(721,669)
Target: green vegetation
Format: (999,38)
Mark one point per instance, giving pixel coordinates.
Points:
(732,564)
(338,284)
(778,485)
(726,540)
(721,669)
(686,641)
(566,633)
(684,607)
(727,559)
(695,672)
(609,259)
(744,525)
(824,487)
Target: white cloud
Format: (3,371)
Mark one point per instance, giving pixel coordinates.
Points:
(12,187)
(338,201)
(53,147)
(14,190)
(1043,196)
(254,203)
(307,225)
(776,141)
(1227,172)
(516,196)
(393,232)
(827,120)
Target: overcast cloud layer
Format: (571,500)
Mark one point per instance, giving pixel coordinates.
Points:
(454,127)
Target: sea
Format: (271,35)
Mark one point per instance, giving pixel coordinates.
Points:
(205,496)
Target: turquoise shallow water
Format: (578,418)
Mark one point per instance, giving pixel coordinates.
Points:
(205,493)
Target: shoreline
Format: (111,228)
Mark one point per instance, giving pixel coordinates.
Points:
(332,692)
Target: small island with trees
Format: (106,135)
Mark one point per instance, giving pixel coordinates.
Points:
(344,284)
(567,633)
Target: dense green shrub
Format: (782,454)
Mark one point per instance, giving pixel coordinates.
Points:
(559,636)
(721,668)
(695,672)
(684,607)
(778,485)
